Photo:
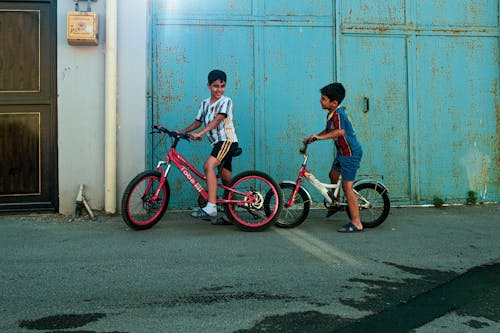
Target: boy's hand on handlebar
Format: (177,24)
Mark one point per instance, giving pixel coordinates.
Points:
(195,136)
(158,129)
(310,139)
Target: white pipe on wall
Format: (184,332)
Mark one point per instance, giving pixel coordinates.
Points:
(110,107)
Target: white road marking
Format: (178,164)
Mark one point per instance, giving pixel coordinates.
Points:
(318,248)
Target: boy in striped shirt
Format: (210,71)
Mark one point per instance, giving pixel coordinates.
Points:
(216,113)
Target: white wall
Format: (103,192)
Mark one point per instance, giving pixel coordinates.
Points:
(81,100)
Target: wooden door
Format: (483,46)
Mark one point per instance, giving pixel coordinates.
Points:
(28,119)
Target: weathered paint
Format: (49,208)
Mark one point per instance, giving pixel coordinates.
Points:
(257,43)
(441,58)
(428,69)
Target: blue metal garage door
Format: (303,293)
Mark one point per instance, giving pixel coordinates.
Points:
(430,71)
(421,77)
(277,54)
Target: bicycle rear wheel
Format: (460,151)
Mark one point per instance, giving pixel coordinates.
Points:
(139,211)
(374,204)
(255,201)
(292,216)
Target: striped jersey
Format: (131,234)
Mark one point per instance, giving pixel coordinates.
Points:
(347,144)
(225,130)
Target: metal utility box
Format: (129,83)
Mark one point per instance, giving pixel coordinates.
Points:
(82,28)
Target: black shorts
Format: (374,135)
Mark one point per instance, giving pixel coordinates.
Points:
(224,150)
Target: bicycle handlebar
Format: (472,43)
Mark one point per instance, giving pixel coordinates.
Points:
(172,134)
(303,149)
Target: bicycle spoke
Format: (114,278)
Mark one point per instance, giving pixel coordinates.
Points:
(139,209)
(292,216)
(255,201)
(374,204)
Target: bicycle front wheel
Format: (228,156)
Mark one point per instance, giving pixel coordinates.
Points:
(294,215)
(139,209)
(374,204)
(255,201)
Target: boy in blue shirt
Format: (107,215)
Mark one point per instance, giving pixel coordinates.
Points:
(349,151)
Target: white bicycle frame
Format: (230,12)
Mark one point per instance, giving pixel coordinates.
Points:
(324,187)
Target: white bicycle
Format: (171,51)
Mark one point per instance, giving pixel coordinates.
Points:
(373,198)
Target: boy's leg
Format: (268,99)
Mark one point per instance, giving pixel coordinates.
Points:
(209,167)
(218,154)
(210,209)
(352,205)
(334,178)
(226,176)
(350,167)
(227,169)
(335,171)
(219,151)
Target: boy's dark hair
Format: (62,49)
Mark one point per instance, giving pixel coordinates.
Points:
(334,91)
(216,75)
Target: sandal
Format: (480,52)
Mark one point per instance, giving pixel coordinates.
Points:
(349,228)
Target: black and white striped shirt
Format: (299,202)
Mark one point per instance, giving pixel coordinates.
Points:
(225,131)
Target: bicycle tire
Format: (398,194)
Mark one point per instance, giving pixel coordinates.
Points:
(138,211)
(380,204)
(294,215)
(261,213)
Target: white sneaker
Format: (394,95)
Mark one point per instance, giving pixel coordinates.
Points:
(201,214)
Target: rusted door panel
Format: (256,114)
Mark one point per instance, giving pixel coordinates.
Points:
(403,62)
(444,68)
(274,53)
(374,74)
(187,8)
(297,65)
(184,56)
(452,13)
(457,123)
(372,14)
(457,103)
(297,9)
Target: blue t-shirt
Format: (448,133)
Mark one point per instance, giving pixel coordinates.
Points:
(347,144)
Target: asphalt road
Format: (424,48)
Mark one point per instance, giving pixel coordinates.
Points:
(423,270)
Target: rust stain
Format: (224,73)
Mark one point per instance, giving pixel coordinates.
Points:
(496,162)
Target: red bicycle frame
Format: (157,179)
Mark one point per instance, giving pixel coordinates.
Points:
(302,172)
(187,169)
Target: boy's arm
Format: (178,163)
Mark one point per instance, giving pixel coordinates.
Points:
(324,135)
(210,126)
(194,125)
(331,134)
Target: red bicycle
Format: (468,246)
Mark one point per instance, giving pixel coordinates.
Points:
(252,200)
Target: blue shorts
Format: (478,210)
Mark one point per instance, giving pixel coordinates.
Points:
(347,166)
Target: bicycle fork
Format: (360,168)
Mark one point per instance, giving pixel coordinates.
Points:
(164,172)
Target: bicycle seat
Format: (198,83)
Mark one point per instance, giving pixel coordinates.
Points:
(237,152)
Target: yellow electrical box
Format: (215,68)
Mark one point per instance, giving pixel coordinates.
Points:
(82,28)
